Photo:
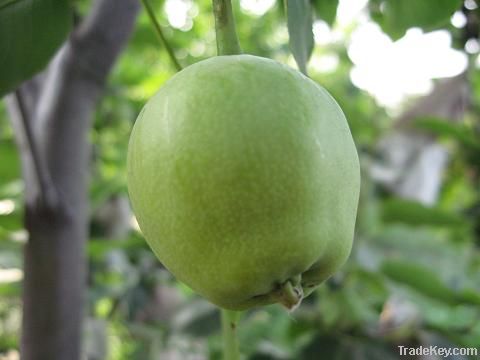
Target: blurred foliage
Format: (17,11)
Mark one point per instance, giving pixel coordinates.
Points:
(396,17)
(413,277)
(326,10)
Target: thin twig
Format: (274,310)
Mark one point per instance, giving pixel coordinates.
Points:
(43,179)
(161,36)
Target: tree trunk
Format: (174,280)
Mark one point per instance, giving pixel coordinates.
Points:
(55,163)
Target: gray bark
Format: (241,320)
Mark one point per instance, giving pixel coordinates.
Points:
(414,162)
(59,116)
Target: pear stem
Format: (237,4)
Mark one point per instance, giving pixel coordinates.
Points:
(290,294)
(229,332)
(227,39)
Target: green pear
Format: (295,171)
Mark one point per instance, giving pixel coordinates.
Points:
(244,178)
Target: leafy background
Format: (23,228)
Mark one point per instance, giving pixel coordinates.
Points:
(413,276)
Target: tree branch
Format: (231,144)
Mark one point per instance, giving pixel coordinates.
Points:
(74,85)
(46,190)
(58,123)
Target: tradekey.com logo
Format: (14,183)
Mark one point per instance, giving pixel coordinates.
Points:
(437,351)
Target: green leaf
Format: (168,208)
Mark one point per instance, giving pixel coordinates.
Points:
(396,17)
(337,346)
(96,248)
(300,23)
(449,130)
(411,212)
(11,289)
(197,319)
(326,10)
(419,278)
(30,33)
(445,317)
(4,3)
(9,223)
(10,169)
(470,296)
